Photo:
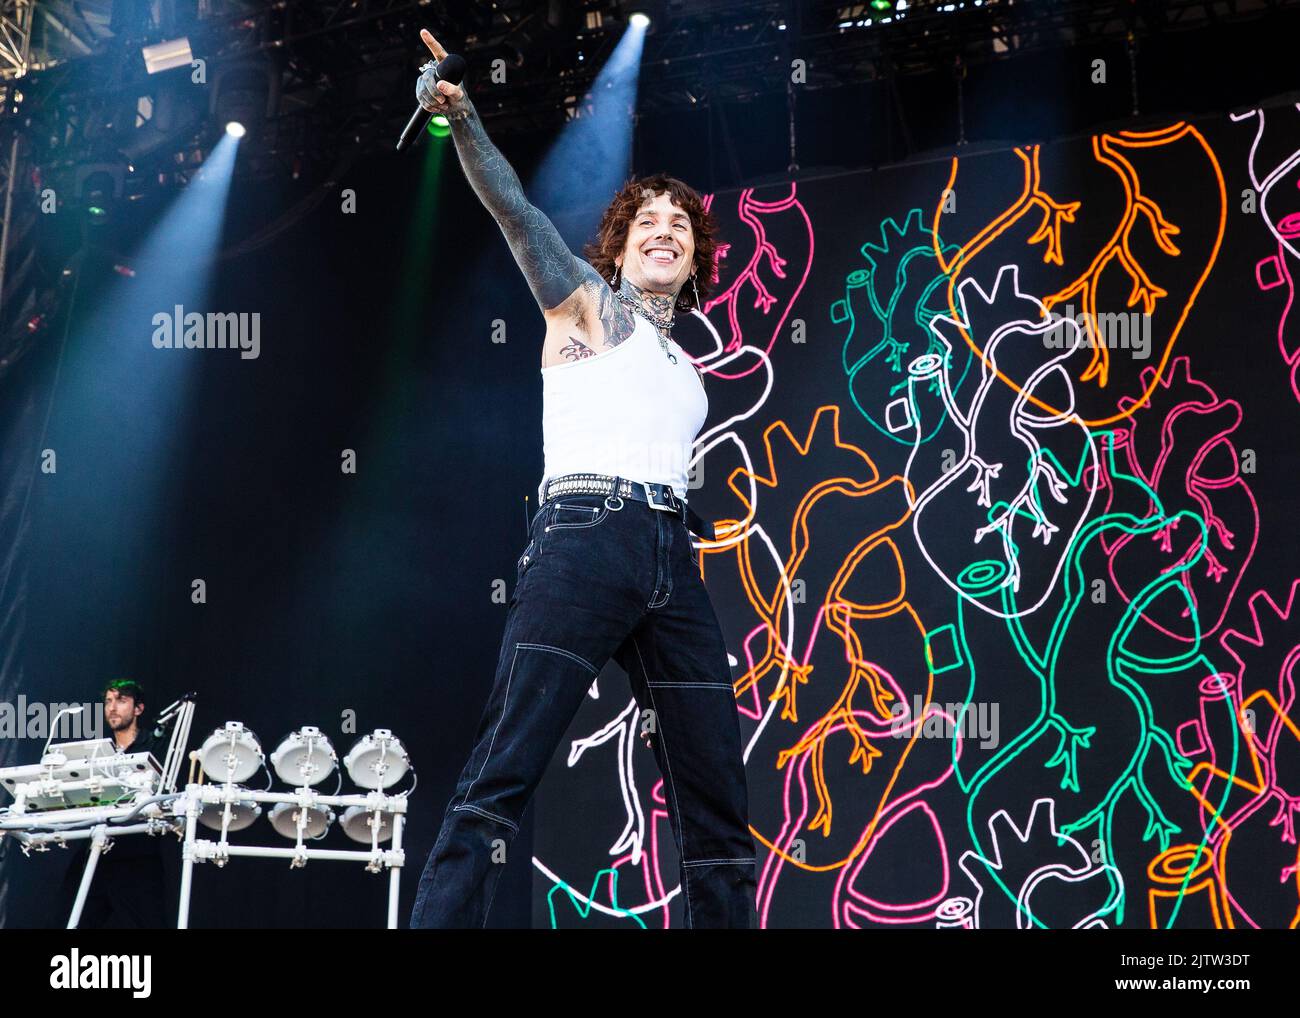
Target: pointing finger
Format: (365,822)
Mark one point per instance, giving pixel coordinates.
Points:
(435,47)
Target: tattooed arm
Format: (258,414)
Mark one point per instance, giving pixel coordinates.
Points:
(553,272)
(577,302)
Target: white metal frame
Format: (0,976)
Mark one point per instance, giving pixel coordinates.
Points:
(198,850)
(155,823)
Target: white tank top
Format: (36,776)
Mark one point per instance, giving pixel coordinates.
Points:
(629,412)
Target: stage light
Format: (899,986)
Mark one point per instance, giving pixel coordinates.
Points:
(883,5)
(235,129)
(246,93)
(231,754)
(99,188)
(304,758)
(358,823)
(639,20)
(439,126)
(242,814)
(378,760)
(163,56)
(165,120)
(317,820)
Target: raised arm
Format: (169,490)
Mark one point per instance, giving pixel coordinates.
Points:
(552,270)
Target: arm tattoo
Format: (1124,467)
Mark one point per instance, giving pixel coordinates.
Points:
(551,269)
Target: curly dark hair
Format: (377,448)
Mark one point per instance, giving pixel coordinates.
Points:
(612,236)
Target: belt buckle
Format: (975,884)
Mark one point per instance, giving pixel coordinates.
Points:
(671,506)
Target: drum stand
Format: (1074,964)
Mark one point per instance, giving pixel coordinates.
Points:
(229,795)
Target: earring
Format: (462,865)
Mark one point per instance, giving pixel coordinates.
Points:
(617,269)
(697,292)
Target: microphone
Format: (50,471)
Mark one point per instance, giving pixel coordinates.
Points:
(450,68)
(168,716)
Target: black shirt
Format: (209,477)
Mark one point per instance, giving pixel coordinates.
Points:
(144,741)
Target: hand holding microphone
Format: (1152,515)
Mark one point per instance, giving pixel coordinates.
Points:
(437,91)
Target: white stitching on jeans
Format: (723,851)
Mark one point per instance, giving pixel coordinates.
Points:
(560,650)
(668,592)
(600,515)
(525,557)
(485,813)
(505,702)
(672,785)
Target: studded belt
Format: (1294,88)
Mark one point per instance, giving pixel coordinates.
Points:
(655,495)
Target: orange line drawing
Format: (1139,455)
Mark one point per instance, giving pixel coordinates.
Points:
(1109,150)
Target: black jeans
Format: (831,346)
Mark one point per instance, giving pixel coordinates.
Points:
(604,578)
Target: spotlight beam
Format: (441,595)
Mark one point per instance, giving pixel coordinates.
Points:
(591,158)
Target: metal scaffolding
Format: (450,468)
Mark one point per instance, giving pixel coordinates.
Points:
(16,20)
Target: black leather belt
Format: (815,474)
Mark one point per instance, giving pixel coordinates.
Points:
(655,495)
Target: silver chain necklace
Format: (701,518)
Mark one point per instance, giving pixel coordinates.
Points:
(661,325)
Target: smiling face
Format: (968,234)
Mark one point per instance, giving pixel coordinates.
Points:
(660,249)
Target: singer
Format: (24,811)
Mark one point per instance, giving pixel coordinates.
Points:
(609,569)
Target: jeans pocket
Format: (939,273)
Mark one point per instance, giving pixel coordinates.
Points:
(577,512)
